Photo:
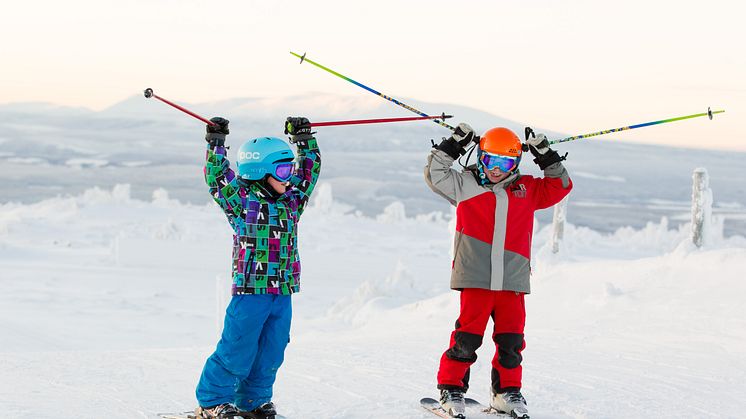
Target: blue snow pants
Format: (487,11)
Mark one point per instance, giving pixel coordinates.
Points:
(244,365)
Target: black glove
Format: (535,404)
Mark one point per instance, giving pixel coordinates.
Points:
(456,144)
(539,147)
(216,133)
(298,128)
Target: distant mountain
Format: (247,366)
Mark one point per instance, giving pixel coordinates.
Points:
(47,150)
(40,108)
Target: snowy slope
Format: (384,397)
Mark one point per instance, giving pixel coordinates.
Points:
(109,306)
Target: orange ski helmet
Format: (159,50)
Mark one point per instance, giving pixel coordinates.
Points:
(498,148)
(500,141)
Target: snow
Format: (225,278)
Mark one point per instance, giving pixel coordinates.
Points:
(82,163)
(26,160)
(148,145)
(135,163)
(594,176)
(110,305)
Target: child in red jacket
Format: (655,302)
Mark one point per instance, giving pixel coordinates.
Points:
(495,207)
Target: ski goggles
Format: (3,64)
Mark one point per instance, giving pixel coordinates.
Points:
(283,171)
(504,163)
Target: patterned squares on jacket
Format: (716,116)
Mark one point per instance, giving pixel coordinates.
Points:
(265,240)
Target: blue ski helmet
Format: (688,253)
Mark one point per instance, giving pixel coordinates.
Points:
(265,156)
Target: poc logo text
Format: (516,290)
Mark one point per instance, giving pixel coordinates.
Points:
(249,155)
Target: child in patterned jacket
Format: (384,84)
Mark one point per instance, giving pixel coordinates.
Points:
(263,204)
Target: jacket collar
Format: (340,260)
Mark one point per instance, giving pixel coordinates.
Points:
(505,183)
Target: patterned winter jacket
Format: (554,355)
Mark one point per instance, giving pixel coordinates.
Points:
(494,222)
(265,236)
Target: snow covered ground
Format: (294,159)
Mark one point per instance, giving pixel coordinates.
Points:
(109,306)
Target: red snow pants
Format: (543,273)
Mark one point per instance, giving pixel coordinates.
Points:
(508,312)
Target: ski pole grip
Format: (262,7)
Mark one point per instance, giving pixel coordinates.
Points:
(148,93)
(529,133)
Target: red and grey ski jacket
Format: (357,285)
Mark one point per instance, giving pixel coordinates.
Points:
(494,222)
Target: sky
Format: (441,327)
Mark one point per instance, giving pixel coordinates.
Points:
(571,66)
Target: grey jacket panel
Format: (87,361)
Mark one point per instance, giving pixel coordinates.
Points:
(453,185)
(557,170)
(441,179)
(517,273)
(471,271)
(469,267)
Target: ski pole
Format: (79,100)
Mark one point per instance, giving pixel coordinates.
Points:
(389,98)
(377,121)
(709,114)
(149,93)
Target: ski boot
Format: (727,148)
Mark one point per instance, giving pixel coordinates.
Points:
(511,402)
(221,411)
(265,411)
(452,401)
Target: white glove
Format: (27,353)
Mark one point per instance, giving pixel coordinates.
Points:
(464,134)
(538,144)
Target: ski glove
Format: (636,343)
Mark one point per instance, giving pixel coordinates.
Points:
(456,144)
(216,133)
(538,144)
(539,147)
(299,129)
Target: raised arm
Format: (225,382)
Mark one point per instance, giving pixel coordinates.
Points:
(220,178)
(556,183)
(308,166)
(439,176)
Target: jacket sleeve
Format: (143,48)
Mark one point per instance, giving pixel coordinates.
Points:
(554,186)
(443,180)
(306,173)
(221,180)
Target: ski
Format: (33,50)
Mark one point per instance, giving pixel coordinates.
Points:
(474,409)
(182,415)
(433,406)
(488,410)
(190,415)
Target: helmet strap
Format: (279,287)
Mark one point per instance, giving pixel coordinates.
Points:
(468,156)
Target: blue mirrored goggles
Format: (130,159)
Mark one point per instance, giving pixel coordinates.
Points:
(284,171)
(504,163)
